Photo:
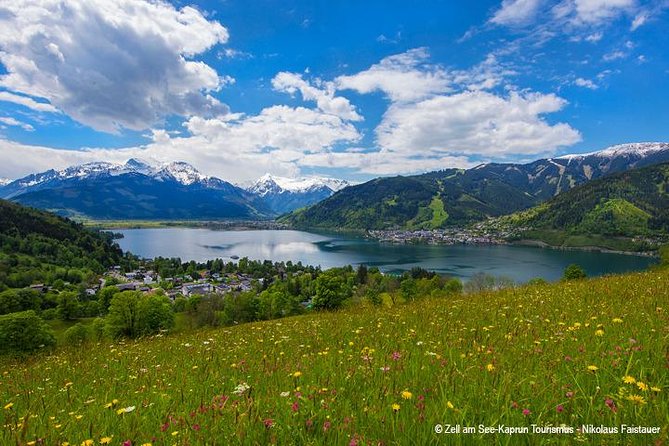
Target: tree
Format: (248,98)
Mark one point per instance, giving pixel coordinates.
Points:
(68,306)
(574,272)
(24,332)
(105,296)
(409,289)
(664,256)
(131,314)
(332,289)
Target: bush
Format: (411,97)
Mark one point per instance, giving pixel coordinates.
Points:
(481,282)
(453,286)
(76,334)
(24,332)
(537,281)
(574,272)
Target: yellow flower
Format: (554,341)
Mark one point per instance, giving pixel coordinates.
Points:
(637,399)
(490,367)
(407,395)
(146,444)
(629,379)
(175,433)
(87,443)
(396,407)
(120,411)
(656,389)
(9,406)
(599,332)
(105,440)
(297,374)
(79,417)
(617,320)
(642,386)
(593,368)
(450,405)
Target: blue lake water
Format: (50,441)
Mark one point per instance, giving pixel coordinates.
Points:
(329,250)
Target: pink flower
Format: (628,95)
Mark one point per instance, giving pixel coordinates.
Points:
(514,405)
(268,423)
(396,356)
(309,423)
(526,412)
(326,426)
(567,358)
(560,408)
(196,427)
(127,443)
(611,405)
(569,394)
(295,407)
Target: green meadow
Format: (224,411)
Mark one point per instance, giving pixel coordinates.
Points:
(587,352)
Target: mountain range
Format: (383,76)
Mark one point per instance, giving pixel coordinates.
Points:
(455,197)
(139,190)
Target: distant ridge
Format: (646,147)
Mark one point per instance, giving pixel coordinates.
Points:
(454,197)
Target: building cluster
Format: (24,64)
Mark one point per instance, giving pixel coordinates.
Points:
(450,236)
(185,285)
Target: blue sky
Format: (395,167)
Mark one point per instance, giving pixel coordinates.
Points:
(345,89)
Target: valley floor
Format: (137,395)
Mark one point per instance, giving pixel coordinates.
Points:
(570,354)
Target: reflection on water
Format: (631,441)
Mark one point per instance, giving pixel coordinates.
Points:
(328,250)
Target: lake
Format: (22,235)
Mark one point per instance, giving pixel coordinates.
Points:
(519,263)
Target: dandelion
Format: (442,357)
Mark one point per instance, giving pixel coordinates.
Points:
(105,440)
(642,386)
(297,374)
(175,433)
(406,395)
(450,405)
(599,332)
(490,367)
(395,407)
(656,389)
(617,320)
(9,406)
(593,368)
(629,380)
(88,442)
(637,399)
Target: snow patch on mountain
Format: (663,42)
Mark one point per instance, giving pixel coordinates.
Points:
(640,149)
(270,184)
(4,182)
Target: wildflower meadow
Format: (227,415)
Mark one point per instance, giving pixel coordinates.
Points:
(571,354)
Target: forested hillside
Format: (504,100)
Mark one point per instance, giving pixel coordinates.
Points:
(37,246)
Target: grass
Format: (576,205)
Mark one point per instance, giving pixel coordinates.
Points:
(552,354)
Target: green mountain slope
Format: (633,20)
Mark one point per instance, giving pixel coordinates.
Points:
(629,204)
(37,246)
(457,197)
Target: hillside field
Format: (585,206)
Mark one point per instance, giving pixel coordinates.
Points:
(589,352)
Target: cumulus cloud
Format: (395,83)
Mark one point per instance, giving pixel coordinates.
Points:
(110,64)
(28,102)
(323,94)
(515,12)
(402,77)
(594,11)
(476,123)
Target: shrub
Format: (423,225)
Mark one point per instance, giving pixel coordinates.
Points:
(453,286)
(574,272)
(24,332)
(76,334)
(131,314)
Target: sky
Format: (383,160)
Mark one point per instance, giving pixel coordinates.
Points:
(346,89)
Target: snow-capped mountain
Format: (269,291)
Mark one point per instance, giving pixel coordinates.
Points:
(638,150)
(282,194)
(4,182)
(135,189)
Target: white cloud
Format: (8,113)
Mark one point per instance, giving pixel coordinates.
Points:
(324,96)
(614,55)
(639,20)
(6,96)
(596,11)
(476,123)
(516,12)
(402,77)
(585,83)
(110,63)
(16,123)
